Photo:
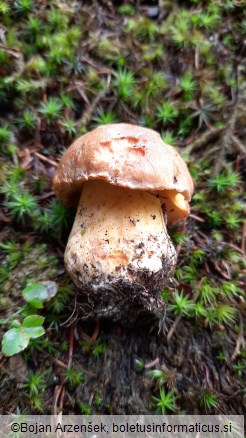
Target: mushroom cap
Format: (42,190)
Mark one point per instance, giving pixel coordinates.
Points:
(128,156)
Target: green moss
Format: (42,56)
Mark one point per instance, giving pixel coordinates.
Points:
(24,263)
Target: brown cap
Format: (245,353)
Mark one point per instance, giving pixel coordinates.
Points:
(128,156)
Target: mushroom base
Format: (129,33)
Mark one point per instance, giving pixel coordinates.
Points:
(122,300)
(119,253)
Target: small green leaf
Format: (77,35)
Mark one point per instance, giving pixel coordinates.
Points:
(14,341)
(35,292)
(36,304)
(32,326)
(15,323)
(34,332)
(33,321)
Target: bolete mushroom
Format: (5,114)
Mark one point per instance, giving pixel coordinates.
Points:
(127,185)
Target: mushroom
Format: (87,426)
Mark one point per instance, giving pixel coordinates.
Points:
(127,185)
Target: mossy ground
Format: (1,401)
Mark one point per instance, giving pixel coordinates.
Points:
(177,67)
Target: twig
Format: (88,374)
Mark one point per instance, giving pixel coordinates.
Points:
(88,372)
(225,52)
(222,273)
(71,344)
(95,334)
(59,393)
(4,218)
(231,245)
(205,138)
(240,341)
(197,63)
(16,53)
(173,328)
(197,218)
(56,361)
(70,318)
(200,284)
(2,357)
(239,145)
(46,195)
(62,396)
(101,69)
(152,363)
(235,394)
(45,159)
(243,238)
(56,396)
(90,110)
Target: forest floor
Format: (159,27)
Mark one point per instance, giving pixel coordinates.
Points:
(174,66)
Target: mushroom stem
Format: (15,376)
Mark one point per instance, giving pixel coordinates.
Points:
(118,235)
